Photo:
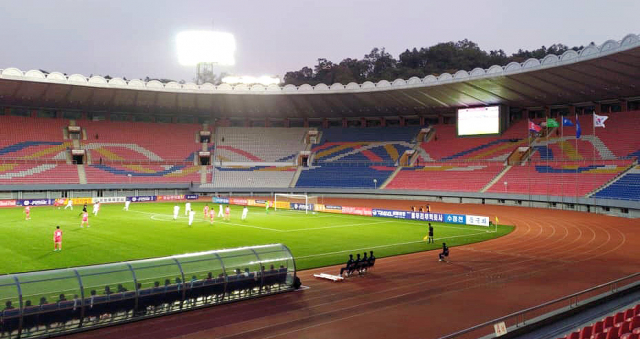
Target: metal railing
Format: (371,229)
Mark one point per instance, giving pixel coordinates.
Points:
(520,318)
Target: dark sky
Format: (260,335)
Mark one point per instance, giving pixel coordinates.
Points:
(136,38)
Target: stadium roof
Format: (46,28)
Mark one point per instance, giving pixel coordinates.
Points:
(596,73)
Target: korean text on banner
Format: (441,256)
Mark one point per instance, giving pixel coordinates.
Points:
(8,203)
(357,211)
(477,220)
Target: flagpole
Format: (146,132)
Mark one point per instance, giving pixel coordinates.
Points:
(547,159)
(576,170)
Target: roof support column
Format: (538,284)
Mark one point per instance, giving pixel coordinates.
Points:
(325,123)
(422,120)
(441,119)
(286,122)
(383,122)
(306,122)
(598,108)
(363,122)
(572,110)
(344,122)
(402,122)
(547,112)
(623,105)
(34,113)
(267,123)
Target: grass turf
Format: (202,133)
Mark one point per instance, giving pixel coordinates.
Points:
(148,230)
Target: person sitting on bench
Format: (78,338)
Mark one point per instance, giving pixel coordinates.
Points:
(356,265)
(372,259)
(348,266)
(363,264)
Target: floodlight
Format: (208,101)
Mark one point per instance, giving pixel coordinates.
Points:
(195,47)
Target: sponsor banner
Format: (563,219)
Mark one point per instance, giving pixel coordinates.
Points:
(192,196)
(110,200)
(35,202)
(171,197)
(455,219)
(217,200)
(8,203)
(357,211)
(81,201)
(477,220)
(238,201)
(328,208)
(301,207)
(426,216)
(390,214)
(285,205)
(142,198)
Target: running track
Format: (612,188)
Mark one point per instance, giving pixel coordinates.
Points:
(550,254)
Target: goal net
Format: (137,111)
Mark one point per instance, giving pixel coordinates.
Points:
(295,202)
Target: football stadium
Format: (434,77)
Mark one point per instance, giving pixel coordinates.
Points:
(500,200)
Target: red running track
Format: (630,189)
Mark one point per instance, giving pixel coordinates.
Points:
(550,254)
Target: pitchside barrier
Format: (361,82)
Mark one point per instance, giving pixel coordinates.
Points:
(102,200)
(460,219)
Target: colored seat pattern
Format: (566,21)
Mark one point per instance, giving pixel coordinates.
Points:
(259,144)
(627,187)
(123,173)
(37,173)
(256,176)
(620,325)
(461,177)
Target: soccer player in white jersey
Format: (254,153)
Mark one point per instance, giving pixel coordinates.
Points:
(69,204)
(187,208)
(245,210)
(126,205)
(176,210)
(191,215)
(96,208)
(220,214)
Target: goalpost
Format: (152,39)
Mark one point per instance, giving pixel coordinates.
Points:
(298,202)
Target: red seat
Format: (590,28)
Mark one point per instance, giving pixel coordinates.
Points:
(608,323)
(635,324)
(628,314)
(585,333)
(636,310)
(612,335)
(597,328)
(624,328)
(618,319)
(574,335)
(599,336)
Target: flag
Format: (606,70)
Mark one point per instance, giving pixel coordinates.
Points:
(551,123)
(497,220)
(598,120)
(578,130)
(534,127)
(566,122)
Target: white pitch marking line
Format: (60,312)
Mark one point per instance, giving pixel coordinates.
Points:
(387,245)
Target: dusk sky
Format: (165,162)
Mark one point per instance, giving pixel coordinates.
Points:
(136,38)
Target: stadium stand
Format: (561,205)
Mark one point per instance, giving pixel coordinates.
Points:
(627,187)
(462,177)
(336,174)
(146,173)
(621,325)
(120,140)
(32,138)
(12,173)
(558,179)
(256,176)
(354,157)
(259,144)
(449,147)
(380,145)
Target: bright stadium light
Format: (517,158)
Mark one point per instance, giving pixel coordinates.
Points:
(196,47)
(247,80)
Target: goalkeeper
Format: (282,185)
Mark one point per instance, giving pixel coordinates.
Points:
(266,207)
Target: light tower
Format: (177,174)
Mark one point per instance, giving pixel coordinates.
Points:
(206,49)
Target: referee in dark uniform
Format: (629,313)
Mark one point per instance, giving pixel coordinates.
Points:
(430,234)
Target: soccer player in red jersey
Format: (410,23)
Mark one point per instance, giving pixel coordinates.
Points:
(227,213)
(57,239)
(27,212)
(85,219)
(212,215)
(206,211)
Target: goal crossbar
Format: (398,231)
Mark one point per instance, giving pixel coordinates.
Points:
(289,197)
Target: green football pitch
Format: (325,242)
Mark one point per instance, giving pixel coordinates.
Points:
(148,230)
